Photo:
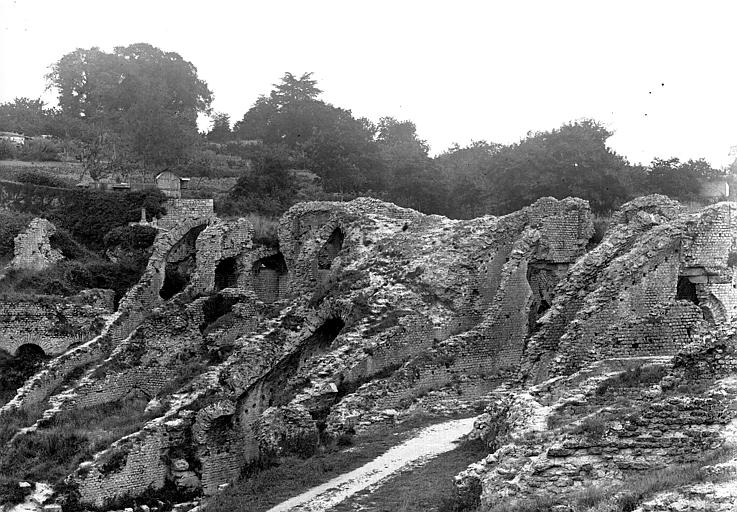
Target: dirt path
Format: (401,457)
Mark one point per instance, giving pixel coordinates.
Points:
(429,442)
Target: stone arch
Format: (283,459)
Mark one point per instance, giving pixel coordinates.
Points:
(30,350)
(713,309)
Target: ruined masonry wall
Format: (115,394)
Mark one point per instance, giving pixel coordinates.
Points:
(52,323)
(32,249)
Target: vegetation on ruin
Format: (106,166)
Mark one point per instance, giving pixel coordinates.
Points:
(14,370)
(266,485)
(55,450)
(11,225)
(624,496)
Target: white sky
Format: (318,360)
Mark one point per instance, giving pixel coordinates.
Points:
(661,75)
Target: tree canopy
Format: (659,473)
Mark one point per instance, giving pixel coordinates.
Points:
(143,97)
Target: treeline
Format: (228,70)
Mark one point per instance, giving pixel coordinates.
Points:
(135,109)
(388,160)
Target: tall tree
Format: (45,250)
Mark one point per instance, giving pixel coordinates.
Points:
(26,116)
(145,96)
(220,130)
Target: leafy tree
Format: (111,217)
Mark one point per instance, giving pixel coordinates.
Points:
(220,130)
(145,96)
(572,160)
(412,177)
(294,90)
(681,180)
(24,115)
(463,170)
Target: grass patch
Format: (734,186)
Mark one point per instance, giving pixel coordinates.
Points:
(54,451)
(593,427)
(601,225)
(265,229)
(261,488)
(428,487)
(634,377)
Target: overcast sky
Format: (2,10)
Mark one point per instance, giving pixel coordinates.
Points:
(661,75)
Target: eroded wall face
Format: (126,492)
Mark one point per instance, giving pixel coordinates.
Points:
(52,323)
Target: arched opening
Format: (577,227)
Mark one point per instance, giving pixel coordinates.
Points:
(181,262)
(330,249)
(226,274)
(270,277)
(686,290)
(30,352)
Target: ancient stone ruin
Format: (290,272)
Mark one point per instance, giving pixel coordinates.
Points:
(33,248)
(365,311)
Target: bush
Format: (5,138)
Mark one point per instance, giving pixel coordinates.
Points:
(592,427)
(11,493)
(37,178)
(70,277)
(90,215)
(11,224)
(634,377)
(265,230)
(130,237)
(8,151)
(41,150)
(63,242)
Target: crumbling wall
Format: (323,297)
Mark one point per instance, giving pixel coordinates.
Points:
(53,323)
(636,305)
(33,249)
(134,307)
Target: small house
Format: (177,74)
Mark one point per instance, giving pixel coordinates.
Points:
(171,184)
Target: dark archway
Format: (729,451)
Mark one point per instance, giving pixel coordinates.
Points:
(226,274)
(330,250)
(30,351)
(686,290)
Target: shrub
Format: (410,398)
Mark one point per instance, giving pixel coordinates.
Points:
(41,150)
(265,229)
(11,224)
(634,377)
(601,225)
(8,151)
(37,178)
(130,237)
(592,427)
(63,242)
(11,493)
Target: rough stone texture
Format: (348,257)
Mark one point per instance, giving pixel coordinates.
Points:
(367,311)
(32,247)
(356,290)
(53,323)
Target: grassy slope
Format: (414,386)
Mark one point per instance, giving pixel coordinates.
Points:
(292,476)
(421,489)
